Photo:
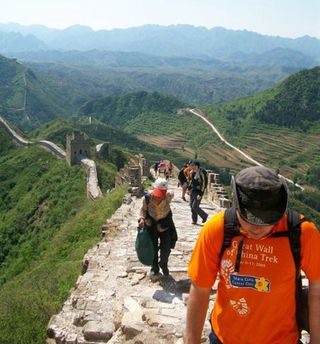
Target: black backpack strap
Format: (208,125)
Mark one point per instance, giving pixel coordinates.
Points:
(294,232)
(231,228)
(147,197)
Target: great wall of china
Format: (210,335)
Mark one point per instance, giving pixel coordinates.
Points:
(93,189)
(114,300)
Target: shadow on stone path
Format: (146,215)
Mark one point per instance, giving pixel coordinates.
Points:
(115,300)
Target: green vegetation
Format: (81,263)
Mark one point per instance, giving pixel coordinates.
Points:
(11,85)
(297,103)
(191,81)
(24,100)
(28,300)
(34,200)
(5,141)
(119,110)
(47,224)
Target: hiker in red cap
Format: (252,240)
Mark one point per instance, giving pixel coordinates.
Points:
(258,248)
(156,217)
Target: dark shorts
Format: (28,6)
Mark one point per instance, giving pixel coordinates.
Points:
(213,339)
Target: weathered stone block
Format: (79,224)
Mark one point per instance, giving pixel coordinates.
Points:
(131,329)
(96,331)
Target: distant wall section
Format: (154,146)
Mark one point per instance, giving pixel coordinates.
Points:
(78,147)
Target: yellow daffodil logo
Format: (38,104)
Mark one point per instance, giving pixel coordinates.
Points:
(262,284)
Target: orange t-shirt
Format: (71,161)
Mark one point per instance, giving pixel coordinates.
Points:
(257,304)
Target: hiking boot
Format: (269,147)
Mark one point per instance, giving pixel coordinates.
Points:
(194,223)
(205,219)
(184,199)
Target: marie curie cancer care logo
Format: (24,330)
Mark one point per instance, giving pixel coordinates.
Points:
(260,284)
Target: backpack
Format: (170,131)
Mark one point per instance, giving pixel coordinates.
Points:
(204,180)
(231,229)
(204,176)
(181,176)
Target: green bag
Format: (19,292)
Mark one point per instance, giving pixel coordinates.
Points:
(144,247)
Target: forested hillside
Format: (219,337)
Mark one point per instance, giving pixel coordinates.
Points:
(292,150)
(120,110)
(296,103)
(24,100)
(46,226)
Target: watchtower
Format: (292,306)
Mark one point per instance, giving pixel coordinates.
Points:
(78,147)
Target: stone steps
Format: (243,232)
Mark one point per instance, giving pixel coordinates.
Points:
(115,300)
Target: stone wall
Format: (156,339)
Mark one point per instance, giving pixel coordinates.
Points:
(78,147)
(93,189)
(216,192)
(134,174)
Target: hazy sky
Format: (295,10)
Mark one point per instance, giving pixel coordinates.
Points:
(288,18)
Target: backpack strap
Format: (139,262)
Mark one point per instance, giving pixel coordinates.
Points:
(231,228)
(294,231)
(147,197)
(204,179)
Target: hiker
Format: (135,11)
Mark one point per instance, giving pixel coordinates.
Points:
(196,189)
(156,167)
(183,182)
(256,298)
(156,217)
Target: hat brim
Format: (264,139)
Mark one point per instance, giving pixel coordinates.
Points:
(266,214)
(159,192)
(260,217)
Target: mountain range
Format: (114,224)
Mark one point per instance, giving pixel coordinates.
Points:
(173,40)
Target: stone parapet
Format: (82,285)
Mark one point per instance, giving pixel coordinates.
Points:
(134,173)
(216,192)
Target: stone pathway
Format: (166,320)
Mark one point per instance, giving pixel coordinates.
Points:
(115,300)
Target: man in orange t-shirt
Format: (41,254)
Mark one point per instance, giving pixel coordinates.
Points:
(255,305)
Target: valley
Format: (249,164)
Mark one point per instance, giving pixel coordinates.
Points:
(261,93)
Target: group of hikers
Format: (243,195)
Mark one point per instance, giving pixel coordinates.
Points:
(163,167)
(255,250)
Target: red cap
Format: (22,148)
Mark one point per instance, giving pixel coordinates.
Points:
(159,192)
